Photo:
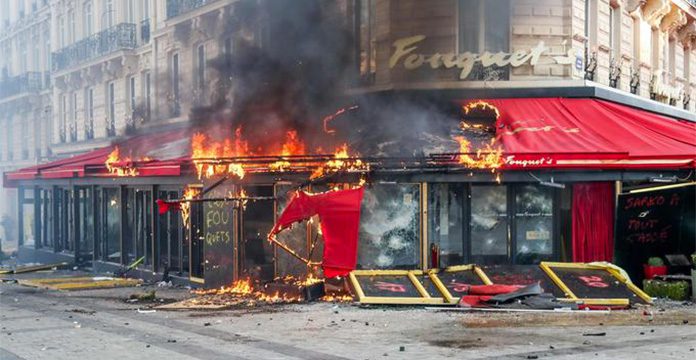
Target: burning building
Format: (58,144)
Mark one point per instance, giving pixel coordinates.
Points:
(475,141)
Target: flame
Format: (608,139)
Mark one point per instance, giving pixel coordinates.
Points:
(205,152)
(337,298)
(189,193)
(480,105)
(292,146)
(114,158)
(244,288)
(341,161)
(490,157)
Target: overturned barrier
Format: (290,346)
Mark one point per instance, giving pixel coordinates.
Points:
(588,285)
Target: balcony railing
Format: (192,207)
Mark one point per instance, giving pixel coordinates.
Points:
(178,7)
(119,37)
(24,83)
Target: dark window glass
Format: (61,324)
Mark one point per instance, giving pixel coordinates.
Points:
(257,221)
(112,213)
(446,224)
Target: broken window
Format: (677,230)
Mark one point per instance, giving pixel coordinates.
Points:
(390,227)
(533,224)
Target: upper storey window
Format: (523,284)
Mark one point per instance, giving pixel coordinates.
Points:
(484,25)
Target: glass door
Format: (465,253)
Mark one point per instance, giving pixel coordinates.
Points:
(534,224)
(170,231)
(85,224)
(489,224)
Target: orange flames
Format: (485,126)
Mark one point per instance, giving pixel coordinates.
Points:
(244,288)
(341,161)
(189,193)
(113,159)
(292,146)
(490,157)
(207,153)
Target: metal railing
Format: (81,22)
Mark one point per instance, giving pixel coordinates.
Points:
(178,7)
(118,37)
(25,83)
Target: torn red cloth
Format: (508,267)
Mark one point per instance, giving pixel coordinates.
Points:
(494,289)
(478,295)
(339,214)
(165,206)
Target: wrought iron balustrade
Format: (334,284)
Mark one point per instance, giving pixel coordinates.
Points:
(118,37)
(178,7)
(24,83)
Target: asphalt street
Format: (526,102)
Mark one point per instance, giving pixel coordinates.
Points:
(99,324)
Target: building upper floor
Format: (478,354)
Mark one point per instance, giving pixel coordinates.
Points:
(644,47)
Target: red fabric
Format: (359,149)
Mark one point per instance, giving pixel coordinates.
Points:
(593,221)
(339,213)
(474,300)
(589,133)
(165,206)
(492,289)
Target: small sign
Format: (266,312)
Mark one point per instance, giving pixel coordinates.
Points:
(538,235)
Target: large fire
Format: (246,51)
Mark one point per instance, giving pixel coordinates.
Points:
(114,164)
(490,157)
(207,154)
(189,193)
(292,146)
(341,161)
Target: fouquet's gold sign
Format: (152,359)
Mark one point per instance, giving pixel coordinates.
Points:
(405,51)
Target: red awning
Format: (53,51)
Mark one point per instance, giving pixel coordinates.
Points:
(590,133)
(159,154)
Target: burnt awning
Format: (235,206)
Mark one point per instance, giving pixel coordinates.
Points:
(154,154)
(589,133)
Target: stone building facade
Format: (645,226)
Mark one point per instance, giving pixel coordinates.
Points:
(641,47)
(25,88)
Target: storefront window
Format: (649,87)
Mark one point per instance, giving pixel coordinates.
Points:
(169,237)
(390,227)
(86,223)
(533,224)
(257,220)
(489,223)
(446,224)
(28,218)
(46,219)
(112,225)
(295,237)
(143,225)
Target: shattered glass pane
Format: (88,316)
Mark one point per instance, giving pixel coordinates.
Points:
(534,223)
(390,227)
(489,230)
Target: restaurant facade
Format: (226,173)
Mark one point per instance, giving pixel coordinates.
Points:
(548,112)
